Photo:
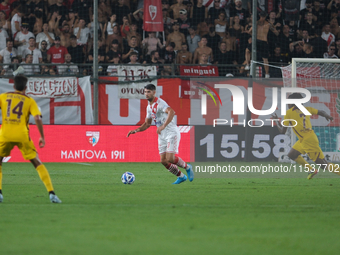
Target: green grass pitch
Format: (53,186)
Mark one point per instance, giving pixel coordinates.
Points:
(100,215)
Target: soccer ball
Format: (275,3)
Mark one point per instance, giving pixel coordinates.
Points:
(128,178)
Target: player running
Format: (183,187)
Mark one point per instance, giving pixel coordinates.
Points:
(168,134)
(308,141)
(16,108)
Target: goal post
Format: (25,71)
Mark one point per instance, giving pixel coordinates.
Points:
(322,78)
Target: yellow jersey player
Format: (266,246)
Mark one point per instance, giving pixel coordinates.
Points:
(308,141)
(16,108)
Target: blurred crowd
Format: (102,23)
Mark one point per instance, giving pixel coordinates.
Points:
(61,32)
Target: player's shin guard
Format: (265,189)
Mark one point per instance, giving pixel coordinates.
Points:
(45,177)
(172,168)
(180,162)
(334,168)
(300,160)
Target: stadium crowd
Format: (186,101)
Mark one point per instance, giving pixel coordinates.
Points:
(61,32)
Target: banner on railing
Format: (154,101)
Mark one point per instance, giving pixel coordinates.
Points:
(132,76)
(208,70)
(61,100)
(55,87)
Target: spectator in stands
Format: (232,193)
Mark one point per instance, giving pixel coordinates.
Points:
(309,9)
(284,40)
(213,40)
(43,50)
(277,60)
(151,43)
(36,54)
(184,22)
(175,8)
(56,54)
(274,32)
(27,65)
(115,36)
(46,36)
(11,68)
(168,54)
(132,47)
(4,23)
(240,12)
(215,11)
(193,39)
(61,10)
(203,49)
(125,28)
(337,44)
(184,56)
(203,59)
(5,7)
(167,70)
(112,69)
(308,51)
(83,8)
(198,13)
(133,59)
(220,24)
(167,21)
(16,21)
(308,25)
(3,37)
(47,70)
(109,28)
(134,32)
(114,50)
(64,34)
(53,22)
(331,52)
(104,11)
(7,54)
(69,68)
(101,52)
(305,36)
(335,29)
(82,33)
(319,13)
(226,60)
(296,49)
(73,19)
(38,22)
(76,51)
(176,36)
(327,35)
(154,60)
(121,10)
(21,39)
(203,27)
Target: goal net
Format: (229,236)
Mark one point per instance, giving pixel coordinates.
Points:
(322,78)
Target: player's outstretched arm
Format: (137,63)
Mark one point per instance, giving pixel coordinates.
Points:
(143,127)
(38,122)
(281,128)
(325,114)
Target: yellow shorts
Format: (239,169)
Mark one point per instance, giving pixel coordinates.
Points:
(27,149)
(310,145)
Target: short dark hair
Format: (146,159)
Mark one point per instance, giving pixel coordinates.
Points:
(20,82)
(133,53)
(73,37)
(295,96)
(153,53)
(31,38)
(150,87)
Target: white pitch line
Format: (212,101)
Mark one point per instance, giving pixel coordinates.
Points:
(85,164)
